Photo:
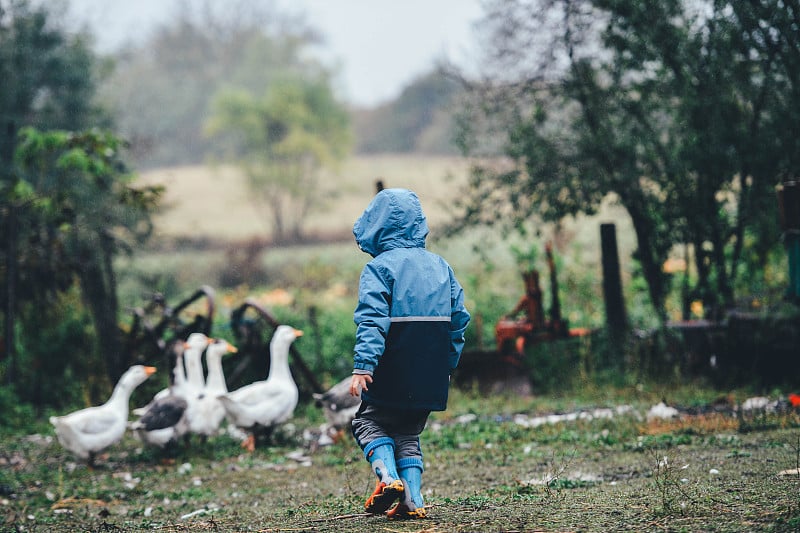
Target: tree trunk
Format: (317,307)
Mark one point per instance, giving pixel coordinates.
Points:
(9,314)
(616,319)
(99,292)
(649,258)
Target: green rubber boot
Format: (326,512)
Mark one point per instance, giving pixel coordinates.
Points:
(380,454)
(411,505)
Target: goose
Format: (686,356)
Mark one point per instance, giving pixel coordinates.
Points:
(339,407)
(162,421)
(194,347)
(177,380)
(93,429)
(166,418)
(263,405)
(205,412)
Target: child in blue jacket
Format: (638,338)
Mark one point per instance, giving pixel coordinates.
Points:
(410,323)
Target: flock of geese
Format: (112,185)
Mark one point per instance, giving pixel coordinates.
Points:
(193,404)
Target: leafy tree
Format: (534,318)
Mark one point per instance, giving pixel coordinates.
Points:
(77,212)
(419,120)
(282,141)
(673,107)
(160,92)
(47,79)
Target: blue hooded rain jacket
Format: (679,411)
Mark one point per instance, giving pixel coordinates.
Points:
(410,316)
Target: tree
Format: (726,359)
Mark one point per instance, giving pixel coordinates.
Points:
(161,91)
(281,141)
(420,120)
(77,212)
(47,79)
(670,106)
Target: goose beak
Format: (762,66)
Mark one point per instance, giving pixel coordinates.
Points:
(232,348)
(298,333)
(149,370)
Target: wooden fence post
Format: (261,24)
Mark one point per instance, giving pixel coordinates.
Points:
(616,320)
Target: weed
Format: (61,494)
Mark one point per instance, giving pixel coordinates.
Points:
(666,484)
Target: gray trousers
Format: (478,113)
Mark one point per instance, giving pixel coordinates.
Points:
(402,425)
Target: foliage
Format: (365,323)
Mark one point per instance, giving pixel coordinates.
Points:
(76,210)
(47,80)
(57,362)
(672,108)
(559,364)
(281,141)
(161,90)
(17,414)
(419,120)
(47,76)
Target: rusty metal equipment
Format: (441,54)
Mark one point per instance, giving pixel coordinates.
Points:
(513,334)
(157,325)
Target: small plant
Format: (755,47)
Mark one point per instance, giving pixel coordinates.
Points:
(553,481)
(670,484)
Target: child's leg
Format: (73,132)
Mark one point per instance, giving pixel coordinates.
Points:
(379,450)
(408,455)
(411,505)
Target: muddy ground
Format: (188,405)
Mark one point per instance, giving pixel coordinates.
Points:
(488,468)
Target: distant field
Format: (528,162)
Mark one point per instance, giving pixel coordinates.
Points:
(213,201)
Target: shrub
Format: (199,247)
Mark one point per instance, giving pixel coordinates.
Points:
(55,361)
(16,413)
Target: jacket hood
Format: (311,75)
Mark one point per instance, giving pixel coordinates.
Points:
(393,219)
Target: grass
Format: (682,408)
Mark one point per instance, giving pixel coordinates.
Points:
(486,470)
(214,201)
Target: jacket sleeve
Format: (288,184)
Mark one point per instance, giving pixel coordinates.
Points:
(459,319)
(372,317)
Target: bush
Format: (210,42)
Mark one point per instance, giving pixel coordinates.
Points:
(558,365)
(16,413)
(55,361)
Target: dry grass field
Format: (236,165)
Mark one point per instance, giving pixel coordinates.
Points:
(213,201)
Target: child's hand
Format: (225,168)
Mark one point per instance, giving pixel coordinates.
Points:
(359,383)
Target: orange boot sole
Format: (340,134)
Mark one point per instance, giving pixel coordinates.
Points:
(383,497)
(401,511)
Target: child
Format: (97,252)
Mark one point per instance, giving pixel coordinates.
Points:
(410,323)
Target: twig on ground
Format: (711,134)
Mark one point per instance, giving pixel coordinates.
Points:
(343,517)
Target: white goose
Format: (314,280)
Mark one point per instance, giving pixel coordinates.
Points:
(195,381)
(89,431)
(192,358)
(206,412)
(262,405)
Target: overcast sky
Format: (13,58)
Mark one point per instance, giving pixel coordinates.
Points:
(380,45)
